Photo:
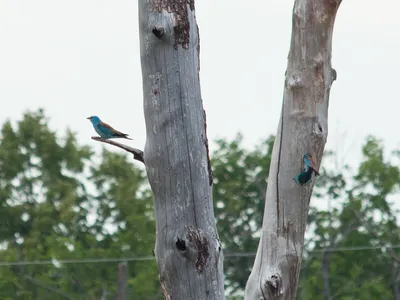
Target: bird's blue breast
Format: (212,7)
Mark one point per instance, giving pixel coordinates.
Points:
(101,131)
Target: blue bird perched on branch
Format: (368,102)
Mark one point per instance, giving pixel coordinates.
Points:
(106,131)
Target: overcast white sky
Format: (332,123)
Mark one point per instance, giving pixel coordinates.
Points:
(81,57)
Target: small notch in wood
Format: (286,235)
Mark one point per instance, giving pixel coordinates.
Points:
(180,244)
(273,285)
(334,74)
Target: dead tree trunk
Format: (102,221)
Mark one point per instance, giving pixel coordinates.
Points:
(188,250)
(303,128)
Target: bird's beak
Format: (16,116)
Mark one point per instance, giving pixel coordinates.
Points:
(88,118)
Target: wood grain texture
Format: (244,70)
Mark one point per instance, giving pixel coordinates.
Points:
(303,128)
(188,250)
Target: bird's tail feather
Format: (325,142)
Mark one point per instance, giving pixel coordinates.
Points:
(125,136)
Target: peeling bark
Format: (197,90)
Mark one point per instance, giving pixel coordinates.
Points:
(187,248)
(303,128)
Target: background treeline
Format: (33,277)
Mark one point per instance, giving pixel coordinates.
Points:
(67,212)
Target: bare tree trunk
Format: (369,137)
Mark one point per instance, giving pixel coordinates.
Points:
(188,250)
(303,128)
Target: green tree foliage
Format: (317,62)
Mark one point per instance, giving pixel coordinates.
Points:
(62,200)
(57,204)
(348,211)
(363,221)
(238,193)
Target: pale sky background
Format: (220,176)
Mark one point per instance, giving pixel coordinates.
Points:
(79,58)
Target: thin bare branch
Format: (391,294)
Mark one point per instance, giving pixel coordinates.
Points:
(137,154)
(47,287)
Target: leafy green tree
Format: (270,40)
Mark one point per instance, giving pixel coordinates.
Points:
(39,191)
(57,204)
(60,200)
(363,217)
(125,202)
(239,193)
(359,214)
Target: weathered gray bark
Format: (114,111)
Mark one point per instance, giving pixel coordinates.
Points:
(303,128)
(188,250)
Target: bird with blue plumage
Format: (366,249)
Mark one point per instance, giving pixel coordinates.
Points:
(309,162)
(304,177)
(309,168)
(105,131)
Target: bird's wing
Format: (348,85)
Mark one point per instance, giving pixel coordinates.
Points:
(111,130)
(313,164)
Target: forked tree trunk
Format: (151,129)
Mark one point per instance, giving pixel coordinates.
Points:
(188,250)
(303,128)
